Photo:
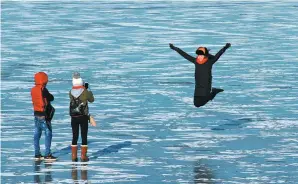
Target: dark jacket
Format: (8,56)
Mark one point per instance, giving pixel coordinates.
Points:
(203,72)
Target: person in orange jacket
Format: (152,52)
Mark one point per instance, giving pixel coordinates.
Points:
(40,99)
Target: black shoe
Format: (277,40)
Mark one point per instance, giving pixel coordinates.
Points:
(50,157)
(217,90)
(39,157)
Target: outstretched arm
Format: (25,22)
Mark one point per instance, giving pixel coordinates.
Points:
(182,53)
(217,56)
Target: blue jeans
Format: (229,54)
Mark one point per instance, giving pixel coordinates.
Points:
(40,125)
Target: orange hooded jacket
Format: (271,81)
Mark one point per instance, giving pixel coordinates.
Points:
(38,99)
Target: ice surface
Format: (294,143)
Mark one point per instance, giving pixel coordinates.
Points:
(149,131)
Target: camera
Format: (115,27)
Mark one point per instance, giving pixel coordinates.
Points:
(86,85)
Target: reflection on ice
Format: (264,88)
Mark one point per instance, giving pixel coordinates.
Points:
(42,174)
(203,174)
(83,173)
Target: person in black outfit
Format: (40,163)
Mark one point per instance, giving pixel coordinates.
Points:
(203,73)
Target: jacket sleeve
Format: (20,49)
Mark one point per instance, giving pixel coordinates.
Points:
(185,55)
(70,96)
(46,94)
(219,53)
(90,96)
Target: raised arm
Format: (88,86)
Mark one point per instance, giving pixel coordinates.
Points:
(217,56)
(183,54)
(90,96)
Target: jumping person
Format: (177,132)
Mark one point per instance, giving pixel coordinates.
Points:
(40,99)
(79,112)
(203,73)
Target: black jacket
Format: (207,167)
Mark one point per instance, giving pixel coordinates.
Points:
(203,72)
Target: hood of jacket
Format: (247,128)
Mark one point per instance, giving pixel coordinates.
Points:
(77,92)
(41,78)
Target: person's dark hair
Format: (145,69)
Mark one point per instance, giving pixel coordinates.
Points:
(199,52)
(202,51)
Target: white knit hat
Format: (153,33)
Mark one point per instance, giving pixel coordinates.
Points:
(77,82)
(76,79)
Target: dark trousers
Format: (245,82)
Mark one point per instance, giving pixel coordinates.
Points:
(199,101)
(76,123)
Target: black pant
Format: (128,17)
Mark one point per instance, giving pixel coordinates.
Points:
(199,101)
(76,123)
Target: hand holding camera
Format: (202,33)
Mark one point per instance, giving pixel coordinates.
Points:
(86,85)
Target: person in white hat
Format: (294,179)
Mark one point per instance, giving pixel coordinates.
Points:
(78,109)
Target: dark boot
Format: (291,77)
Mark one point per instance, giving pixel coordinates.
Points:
(214,92)
(74,152)
(84,157)
(217,90)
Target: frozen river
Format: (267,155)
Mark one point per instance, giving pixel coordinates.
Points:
(149,131)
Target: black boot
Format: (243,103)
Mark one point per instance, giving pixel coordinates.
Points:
(217,90)
(214,92)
